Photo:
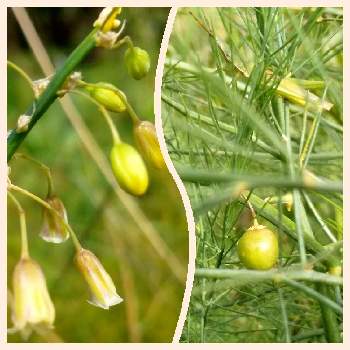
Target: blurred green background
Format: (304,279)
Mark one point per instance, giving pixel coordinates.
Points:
(152,294)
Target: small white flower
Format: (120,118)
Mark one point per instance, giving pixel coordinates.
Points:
(40,85)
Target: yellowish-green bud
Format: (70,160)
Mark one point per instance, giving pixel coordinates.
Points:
(104,94)
(102,289)
(137,62)
(32,305)
(147,142)
(53,229)
(129,169)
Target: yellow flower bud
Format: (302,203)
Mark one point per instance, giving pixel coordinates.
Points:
(32,305)
(137,62)
(102,289)
(129,169)
(147,142)
(104,94)
(53,229)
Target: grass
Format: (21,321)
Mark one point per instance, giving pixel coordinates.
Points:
(252,104)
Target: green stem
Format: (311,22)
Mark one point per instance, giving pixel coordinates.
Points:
(23,227)
(319,219)
(329,317)
(43,167)
(209,121)
(284,316)
(22,73)
(126,40)
(48,206)
(242,275)
(112,127)
(41,105)
(204,177)
(322,299)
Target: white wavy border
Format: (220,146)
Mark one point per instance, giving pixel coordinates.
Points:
(179,184)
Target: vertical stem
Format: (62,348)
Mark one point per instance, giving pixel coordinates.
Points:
(296,192)
(23,227)
(112,127)
(319,219)
(284,316)
(134,117)
(329,317)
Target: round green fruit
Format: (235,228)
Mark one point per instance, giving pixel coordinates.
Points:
(258,248)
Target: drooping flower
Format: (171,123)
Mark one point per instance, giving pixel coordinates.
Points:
(32,305)
(102,289)
(53,229)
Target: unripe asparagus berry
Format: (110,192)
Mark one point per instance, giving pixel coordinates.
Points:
(258,248)
(129,169)
(109,99)
(147,142)
(137,62)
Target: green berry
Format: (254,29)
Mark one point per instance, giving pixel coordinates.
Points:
(258,248)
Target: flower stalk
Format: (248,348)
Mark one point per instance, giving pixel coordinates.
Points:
(47,206)
(23,226)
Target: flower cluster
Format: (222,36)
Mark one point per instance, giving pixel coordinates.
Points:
(31,303)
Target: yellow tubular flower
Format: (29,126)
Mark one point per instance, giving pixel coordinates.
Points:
(102,288)
(32,306)
(147,142)
(53,229)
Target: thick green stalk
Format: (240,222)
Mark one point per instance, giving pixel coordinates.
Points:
(41,105)
(329,317)
(241,275)
(205,177)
